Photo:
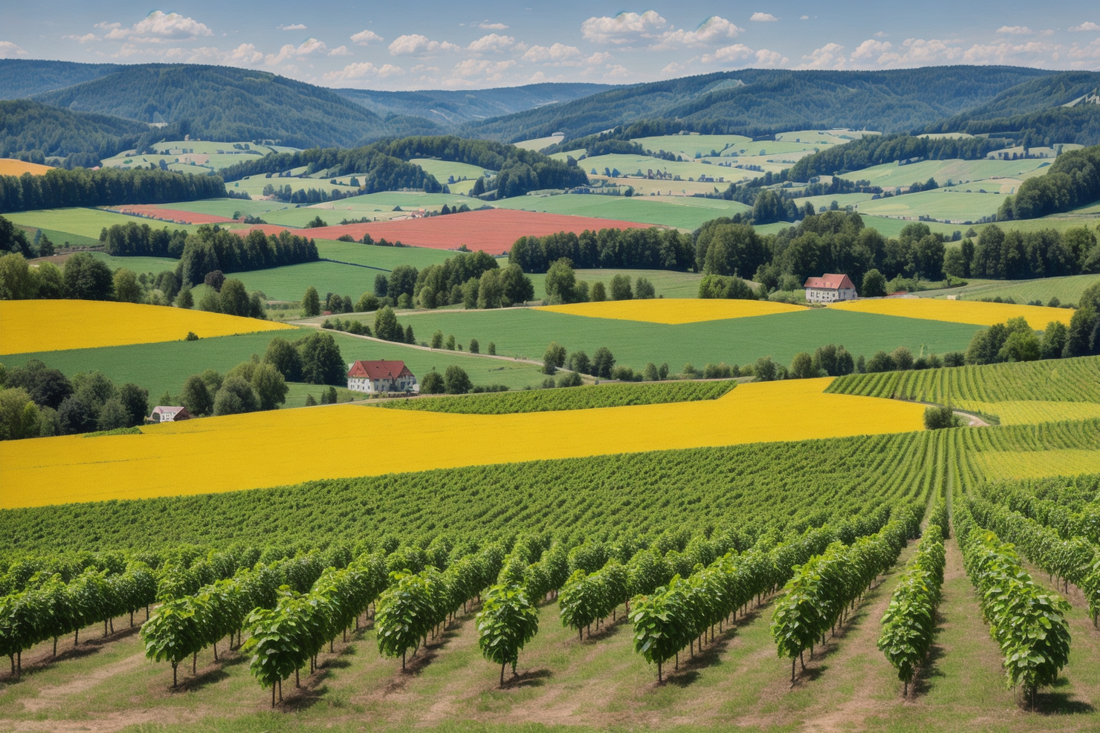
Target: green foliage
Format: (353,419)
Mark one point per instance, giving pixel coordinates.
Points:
(60,188)
(506,622)
(873,150)
(938,418)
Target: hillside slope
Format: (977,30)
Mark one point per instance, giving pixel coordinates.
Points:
(768,101)
(21,78)
(26,125)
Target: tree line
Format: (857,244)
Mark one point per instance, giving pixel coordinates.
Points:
(649,248)
(59,188)
(1073,180)
(871,150)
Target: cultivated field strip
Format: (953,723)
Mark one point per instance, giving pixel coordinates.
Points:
(1059,380)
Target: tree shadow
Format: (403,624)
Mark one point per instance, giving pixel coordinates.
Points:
(1058,701)
(928,671)
(607,630)
(529,678)
(203,679)
(690,668)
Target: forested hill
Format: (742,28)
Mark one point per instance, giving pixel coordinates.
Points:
(1036,109)
(224,103)
(456,107)
(754,101)
(21,78)
(28,126)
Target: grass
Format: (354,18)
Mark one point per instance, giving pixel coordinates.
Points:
(539,143)
(1066,289)
(954,311)
(527,332)
(629,165)
(84,222)
(950,206)
(689,145)
(290,282)
(444,169)
(384,258)
(681,212)
(668,283)
(164,367)
(265,449)
(674,312)
(957,171)
(227,207)
(61,239)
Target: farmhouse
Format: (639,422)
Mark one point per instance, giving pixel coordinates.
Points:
(829,289)
(380,377)
(165,413)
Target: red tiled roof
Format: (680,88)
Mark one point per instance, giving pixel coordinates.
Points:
(830,282)
(379,369)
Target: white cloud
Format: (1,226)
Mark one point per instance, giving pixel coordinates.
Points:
(473,71)
(1086,26)
(245,53)
(86,38)
(157,27)
(623,28)
(616,72)
(492,43)
(828,56)
(767,58)
(9,50)
(1015,30)
(763,18)
(729,54)
(415,43)
(487,26)
(713,30)
(675,68)
(307,47)
(804,17)
(559,53)
(295,27)
(366,37)
(363,70)
(340,51)
(1007,52)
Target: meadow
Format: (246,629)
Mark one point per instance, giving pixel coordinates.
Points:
(667,283)
(630,165)
(539,143)
(689,145)
(954,170)
(163,367)
(117,467)
(227,207)
(1066,289)
(84,222)
(674,312)
(949,205)
(526,332)
(682,212)
(443,170)
(62,325)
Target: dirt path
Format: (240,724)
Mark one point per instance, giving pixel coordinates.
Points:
(50,697)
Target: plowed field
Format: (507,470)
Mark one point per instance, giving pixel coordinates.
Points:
(172,215)
(492,230)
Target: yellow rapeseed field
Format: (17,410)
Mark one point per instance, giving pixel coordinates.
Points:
(1037,464)
(340,441)
(11,167)
(673,311)
(959,311)
(1031,412)
(57,325)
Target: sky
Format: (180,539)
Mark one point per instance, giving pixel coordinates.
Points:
(477,44)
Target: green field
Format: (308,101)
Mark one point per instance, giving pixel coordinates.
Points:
(155,265)
(60,239)
(165,366)
(526,333)
(952,206)
(842,200)
(668,283)
(823,137)
(227,207)
(630,165)
(886,227)
(539,143)
(1066,289)
(254,185)
(384,258)
(444,169)
(957,171)
(689,145)
(681,212)
(84,222)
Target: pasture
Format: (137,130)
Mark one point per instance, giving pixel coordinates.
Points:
(254,185)
(540,143)
(61,325)
(674,312)
(163,367)
(667,283)
(673,211)
(1066,289)
(83,222)
(227,207)
(444,170)
(690,145)
(949,206)
(263,449)
(526,332)
(954,170)
(640,165)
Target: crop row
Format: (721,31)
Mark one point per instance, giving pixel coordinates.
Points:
(577,398)
(1061,380)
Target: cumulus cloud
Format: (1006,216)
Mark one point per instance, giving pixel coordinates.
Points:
(365,38)
(1015,30)
(474,71)
(557,54)
(713,30)
(767,58)
(736,52)
(623,28)
(295,27)
(416,44)
(763,18)
(492,43)
(363,70)
(340,51)
(157,27)
(487,26)
(10,50)
(86,38)
(828,56)
(307,47)
(804,17)
(1086,26)
(1000,53)
(616,71)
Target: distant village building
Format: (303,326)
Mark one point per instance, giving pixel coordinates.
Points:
(380,377)
(829,289)
(168,413)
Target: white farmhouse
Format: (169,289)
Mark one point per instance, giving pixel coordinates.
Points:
(829,289)
(381,377)
(169,413)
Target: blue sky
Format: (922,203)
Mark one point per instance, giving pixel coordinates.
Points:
(477,44)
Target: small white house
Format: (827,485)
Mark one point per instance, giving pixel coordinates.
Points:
(166,413)
(381,377)
(829,289)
